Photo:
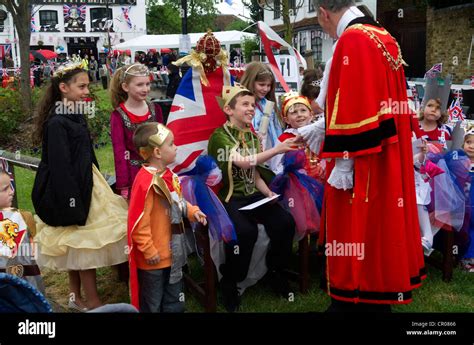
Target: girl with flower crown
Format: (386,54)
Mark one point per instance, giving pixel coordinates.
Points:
(129,89)
(81,223)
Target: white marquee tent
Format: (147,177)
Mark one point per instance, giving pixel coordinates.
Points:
(145,42)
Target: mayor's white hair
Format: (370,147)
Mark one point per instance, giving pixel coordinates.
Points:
(333,5)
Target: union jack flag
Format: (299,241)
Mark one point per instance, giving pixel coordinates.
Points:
(34,28)
(69,10)
(437,68)
(457,93)
(195,114)
(455,111)
(126,16)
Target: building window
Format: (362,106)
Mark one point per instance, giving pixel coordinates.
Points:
(311,6)
(302,41)
(48,20)
(100,19)
(3,17)
(276,9)
(292,5)
(316,46)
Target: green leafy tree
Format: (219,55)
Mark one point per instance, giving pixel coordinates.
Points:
(248,46)
(238,25)
(20,11)
(289,10)
(256,11)
(163,19)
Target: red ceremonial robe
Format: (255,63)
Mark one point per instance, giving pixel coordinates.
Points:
(142,185)
(371,234)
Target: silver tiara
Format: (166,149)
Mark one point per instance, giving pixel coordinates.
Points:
(141,71)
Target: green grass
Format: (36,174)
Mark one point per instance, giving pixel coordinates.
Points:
(24,180)
(434,295)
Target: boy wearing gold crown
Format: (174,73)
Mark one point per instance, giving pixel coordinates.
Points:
(297,113)
(155,226)
(236,149)
(300,173)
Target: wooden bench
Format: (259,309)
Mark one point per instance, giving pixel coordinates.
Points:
(206,290)
(449,261)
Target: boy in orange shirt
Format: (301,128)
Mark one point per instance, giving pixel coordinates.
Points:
(155,227)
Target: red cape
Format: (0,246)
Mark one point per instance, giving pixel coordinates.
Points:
(141,188)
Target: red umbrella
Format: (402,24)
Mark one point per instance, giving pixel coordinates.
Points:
(48,54)
(43,55)
(165,50)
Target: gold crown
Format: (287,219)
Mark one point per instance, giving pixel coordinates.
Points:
(159,138)
(68,67)
(229,92)
(291,98)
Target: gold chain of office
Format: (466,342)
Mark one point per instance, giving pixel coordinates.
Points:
(395,64)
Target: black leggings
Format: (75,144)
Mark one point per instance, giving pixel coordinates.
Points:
(279,226)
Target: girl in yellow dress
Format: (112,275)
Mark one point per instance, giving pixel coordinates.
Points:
(81,223)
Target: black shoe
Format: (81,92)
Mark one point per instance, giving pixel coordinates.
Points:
(279,284)
(374,308)
(230,296)
(337,306)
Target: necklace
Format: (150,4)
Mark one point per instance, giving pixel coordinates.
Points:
(248,175)
(395,64)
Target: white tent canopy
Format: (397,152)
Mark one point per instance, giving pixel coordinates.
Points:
(145,42)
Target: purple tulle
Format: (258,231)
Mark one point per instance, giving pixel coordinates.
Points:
(448,198)
(197,192)
(300,194)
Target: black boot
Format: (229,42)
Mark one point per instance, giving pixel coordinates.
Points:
(279,283)
(230,295)
(341,307)
(374,308)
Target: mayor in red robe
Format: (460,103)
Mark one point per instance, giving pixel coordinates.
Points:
(370,233)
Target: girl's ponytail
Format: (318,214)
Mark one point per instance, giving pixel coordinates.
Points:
(117,93)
